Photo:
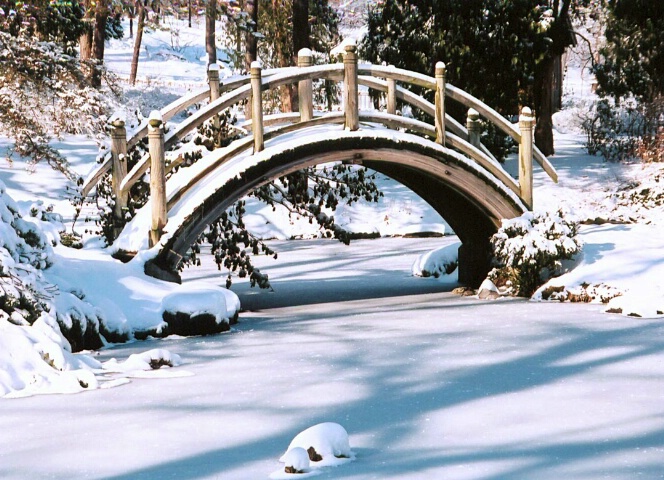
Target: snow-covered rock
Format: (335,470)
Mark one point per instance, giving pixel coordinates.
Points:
(296,459)
(440,262)
(330,440)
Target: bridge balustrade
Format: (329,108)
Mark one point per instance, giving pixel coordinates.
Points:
(222,94)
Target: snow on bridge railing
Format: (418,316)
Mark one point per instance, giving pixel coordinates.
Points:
(356,106)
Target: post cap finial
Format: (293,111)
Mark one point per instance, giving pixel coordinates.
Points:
(473,114)
(304,52)
(526,112)
(440,68)
(213,67)
(155,119)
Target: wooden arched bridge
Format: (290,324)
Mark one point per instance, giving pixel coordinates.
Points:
(443,161)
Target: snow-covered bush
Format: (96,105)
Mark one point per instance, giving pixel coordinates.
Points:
(530,249)
(44,94)
(25,296)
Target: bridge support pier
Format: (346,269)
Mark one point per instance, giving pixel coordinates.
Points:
(474,262)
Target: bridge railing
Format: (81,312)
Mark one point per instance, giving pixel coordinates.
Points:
(445,130)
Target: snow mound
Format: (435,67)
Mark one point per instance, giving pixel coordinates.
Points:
(436,263)
(150,360)
(330,440)
(33,360)
(298,459)
(196,298)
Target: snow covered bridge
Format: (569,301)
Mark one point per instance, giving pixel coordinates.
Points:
(443,161)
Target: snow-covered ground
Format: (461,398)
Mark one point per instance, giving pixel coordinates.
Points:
(427,384)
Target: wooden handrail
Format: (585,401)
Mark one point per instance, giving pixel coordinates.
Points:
(381,78)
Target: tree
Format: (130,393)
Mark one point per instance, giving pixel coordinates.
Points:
(98,40)
(140,26)
(630,76)
(44,91)
(501,51)
(210,30)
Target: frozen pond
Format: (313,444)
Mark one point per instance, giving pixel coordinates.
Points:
(427,384)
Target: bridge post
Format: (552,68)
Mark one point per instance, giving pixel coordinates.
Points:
(157,176)
(440,103)
(213,81)
(256,106)
(526,125)
(119,155)
(350,88)
(474,127)
(305,87)
(391,95)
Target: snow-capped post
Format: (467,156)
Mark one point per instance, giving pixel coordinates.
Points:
(157,176)
(391,95)
(305,87)
(526,126)
(256,106)
(213,81)
(350,87)
(119,155)
(474,127)
(440,103)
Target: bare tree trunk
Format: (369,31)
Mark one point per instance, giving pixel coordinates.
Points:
(131,13)
(140,24)
(251,44)
(300,39)
(85,41)
(250,40)
(189,11)
(544,106)
(98,39)
(283,59)
(210,30)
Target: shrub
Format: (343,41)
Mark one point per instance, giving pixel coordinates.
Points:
(530,249)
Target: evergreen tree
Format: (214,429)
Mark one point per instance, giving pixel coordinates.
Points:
(501,51)
(44,92)
(630,74)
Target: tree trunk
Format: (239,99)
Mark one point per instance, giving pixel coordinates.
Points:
(140,24)
(85,41)
(250,40)
(544,105)
(189,11)
(282,59)
(300,39)
(98,39)
(251,45)
(210,31)
(558,76)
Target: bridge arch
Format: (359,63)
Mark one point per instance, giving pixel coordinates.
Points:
(471,199)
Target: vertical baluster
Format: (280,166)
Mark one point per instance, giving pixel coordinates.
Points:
(119,155)
(474,127)
(350,88)
(305,87)
(391,95)
(256,106)
(440,103)
(526,125)
(157,176)
(213,81)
